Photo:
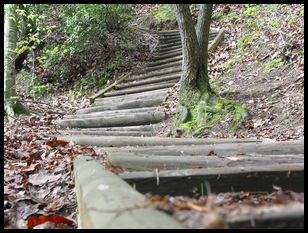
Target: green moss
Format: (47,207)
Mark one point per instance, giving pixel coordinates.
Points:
(273,64)
(240,114)
(164,13)
(206,113)
(20,109)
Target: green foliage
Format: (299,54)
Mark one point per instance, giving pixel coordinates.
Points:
(164,13)
(245,41)
(273,64)
(274,24)
(251,9)
(84,85)
(38,91)
(292,18)
(71,34)
(217,15)
(232,16)
(78,21)
(240,115)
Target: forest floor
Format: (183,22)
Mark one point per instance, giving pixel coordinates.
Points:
(251,66)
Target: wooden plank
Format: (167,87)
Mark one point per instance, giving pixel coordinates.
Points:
(164,61)
(157,58)
(111,133)
(218,39)
(229,149)
(161,79)
(101,92)
(110,141)
(163,72)
(232,179)
(121,120)
(127,104)
(149,163)
(151,127)
(111,112)
(160,67)
(135,96)
(107,202)
(141,89)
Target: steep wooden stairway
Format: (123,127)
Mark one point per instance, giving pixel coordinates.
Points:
(123,122)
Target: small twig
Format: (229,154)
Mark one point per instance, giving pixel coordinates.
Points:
(157,176)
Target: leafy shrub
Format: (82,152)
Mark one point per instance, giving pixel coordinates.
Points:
(164,13)
(251,9)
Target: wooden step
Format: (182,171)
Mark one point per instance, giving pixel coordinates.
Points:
(149,81)
(141,88)
(140,141)
(230,149)
(109,121)
(135,96)
(112,112)
(127,104)
(160,67)
(111,133)
(164,61)
(155,73)
(107,202)
(188,181)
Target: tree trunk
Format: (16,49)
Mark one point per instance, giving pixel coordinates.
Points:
(11,106)
(194,84)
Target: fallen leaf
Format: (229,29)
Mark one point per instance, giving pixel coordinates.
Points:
(55,143)
(34,221)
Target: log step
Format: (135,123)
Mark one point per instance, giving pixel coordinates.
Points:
(110,141)
(112,113)
(226,149)
(168,40)
(169,49)
(109,121)
(169,44)
(127,104)
(232,179)
(150,128)
(159,54)
(160,67)
(135,96)
(107,202)
(175,77)
(145,162)
(168,55)
(163,72)
(164,61)
(111,133)
(141,89)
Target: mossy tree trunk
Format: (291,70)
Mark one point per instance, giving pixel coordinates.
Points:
(194,83)
(11,105)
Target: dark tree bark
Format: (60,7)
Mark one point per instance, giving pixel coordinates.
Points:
(194,84)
